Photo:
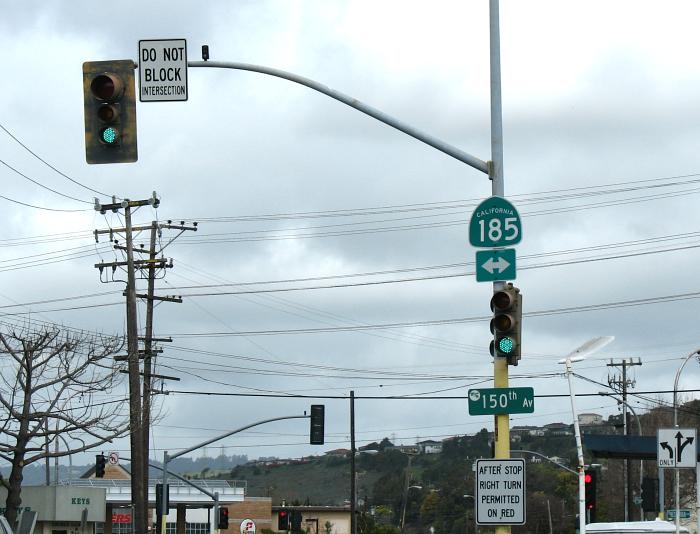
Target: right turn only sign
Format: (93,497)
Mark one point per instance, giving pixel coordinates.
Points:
(677,447)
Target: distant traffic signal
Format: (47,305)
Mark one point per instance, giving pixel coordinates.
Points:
(316,430)
(282,520)
(100,463)
(159,499)
(296,521)
(222,522)
(109,98)
(650,494)
(590,478)
(506,325)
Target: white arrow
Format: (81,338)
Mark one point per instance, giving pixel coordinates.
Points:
(500,265)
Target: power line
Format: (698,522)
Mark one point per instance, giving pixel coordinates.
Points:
(389,397)
(458,320)
(48,164)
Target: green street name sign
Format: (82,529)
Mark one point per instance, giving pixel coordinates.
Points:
(494,401)
(495,223)
(495,265)
(684,513)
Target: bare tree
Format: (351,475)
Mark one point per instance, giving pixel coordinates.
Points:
(55,383)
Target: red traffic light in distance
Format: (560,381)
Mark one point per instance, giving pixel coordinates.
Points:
(587,478)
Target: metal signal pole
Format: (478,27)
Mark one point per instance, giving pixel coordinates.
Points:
(495,168)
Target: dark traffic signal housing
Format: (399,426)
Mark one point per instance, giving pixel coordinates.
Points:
(506,325)
(296,521)
(100,464)
(316,430)
(160,506)
(222,522)
(109,96)
(282,520)
(590,479)
(650,494)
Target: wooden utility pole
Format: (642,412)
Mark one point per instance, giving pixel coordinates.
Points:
(148,339)
(621,384)
(138,489)
(140,399)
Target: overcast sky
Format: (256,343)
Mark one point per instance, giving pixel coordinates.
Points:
(601,126)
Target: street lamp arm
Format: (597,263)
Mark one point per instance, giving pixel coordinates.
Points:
(546,458)
(675,385)
(428,139)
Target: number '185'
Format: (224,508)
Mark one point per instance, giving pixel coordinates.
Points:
(495,231)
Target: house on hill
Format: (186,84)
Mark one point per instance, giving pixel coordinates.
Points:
(338,452)
(586,419)
(558,429)
(430,446)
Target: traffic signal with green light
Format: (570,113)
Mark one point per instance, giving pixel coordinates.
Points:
(100,464)
(590,480)
(109,96)
(506,324)
(317,424)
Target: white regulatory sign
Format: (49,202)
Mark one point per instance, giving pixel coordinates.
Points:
(162,70)
(676,447)
(113,458)
(247,526)
(500,492)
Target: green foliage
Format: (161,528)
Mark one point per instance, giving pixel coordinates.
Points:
(367,524)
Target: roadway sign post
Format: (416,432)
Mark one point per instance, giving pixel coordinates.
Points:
(162,70)
(677,448)
(493,401)
(495,265)
(500,491)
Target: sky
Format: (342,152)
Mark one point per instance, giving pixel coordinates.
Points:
(313,217)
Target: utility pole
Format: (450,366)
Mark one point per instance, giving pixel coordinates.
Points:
(353,468)
(620,383)
(138,493)
(139,406)
(148,339)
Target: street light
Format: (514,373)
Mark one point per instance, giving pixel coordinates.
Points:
(405,501)
(676,479)
(466,513)
(578,355)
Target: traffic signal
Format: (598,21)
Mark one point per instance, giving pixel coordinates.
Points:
(506,325)
(650,495)
(109,97)
(296,521)
(590,479)
(159,498)
(282,520)
(100,463)
(222,522)
(317,424)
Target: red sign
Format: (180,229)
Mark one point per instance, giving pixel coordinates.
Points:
(121,518)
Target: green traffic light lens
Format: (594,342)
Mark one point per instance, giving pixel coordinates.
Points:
(506,345)
(109,136)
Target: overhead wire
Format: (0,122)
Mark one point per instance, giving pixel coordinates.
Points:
(48,164)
